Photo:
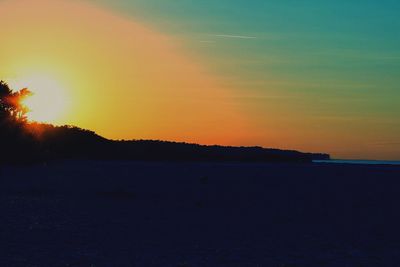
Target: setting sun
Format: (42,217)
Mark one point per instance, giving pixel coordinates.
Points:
(48,102)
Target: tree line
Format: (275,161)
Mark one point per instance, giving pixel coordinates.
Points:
(22,141)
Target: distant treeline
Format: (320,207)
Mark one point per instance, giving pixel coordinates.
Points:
(23,142)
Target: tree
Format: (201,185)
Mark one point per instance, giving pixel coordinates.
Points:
(11,103)
(5,93)
(4,90)
(16,143)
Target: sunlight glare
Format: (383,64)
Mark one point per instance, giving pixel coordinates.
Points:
(49,102)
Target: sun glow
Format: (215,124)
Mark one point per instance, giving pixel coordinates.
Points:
(49,102)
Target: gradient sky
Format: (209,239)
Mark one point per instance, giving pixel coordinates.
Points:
(308,75)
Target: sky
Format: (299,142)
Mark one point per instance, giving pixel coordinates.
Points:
(309,75)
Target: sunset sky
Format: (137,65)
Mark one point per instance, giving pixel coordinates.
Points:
(310,75)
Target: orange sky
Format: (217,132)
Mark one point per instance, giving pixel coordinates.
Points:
(123,79)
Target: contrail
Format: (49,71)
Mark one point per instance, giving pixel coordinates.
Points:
(234,36)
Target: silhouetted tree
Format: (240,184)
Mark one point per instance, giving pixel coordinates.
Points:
(5,93)
(11,103)
(16,144)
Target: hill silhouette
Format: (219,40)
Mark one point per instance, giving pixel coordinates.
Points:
(22,141)
(32,142)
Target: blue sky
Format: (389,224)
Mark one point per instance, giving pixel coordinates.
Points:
(328,65)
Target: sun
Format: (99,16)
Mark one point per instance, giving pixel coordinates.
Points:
(49,102)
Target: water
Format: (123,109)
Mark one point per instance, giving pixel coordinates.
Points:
(364,162)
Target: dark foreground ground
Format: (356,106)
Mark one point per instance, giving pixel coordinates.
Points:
(115,214)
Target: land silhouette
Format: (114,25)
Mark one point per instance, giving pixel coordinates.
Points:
(23,141)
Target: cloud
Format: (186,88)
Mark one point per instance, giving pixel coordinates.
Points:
(234,36)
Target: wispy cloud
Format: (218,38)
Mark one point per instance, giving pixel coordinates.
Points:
(233,36)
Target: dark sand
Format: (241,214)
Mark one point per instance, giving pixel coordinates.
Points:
(115,214)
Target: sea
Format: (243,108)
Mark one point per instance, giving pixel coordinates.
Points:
(363,162)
